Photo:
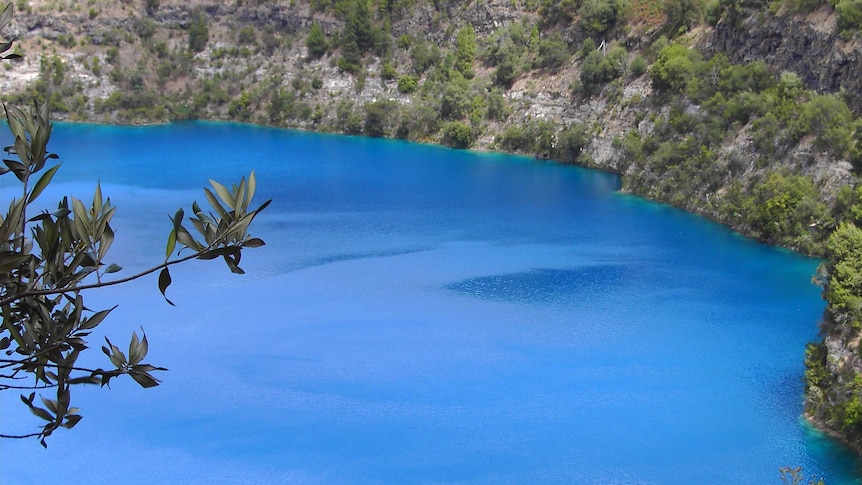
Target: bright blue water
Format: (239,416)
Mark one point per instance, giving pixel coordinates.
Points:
(428,315)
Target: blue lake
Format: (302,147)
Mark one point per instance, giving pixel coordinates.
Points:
(422,315)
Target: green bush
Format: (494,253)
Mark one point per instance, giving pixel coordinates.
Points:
(674,68)
(388,72)
(681,15)
(407,84)
(457,134)
(828,118)
(638,66)
(378,117)
(146,28)
(424,56)
(455,103)
(247,36)
(570,142)
(553,12)
(599,16)
(849,14)
(553,53)
(599,69)
(506,72)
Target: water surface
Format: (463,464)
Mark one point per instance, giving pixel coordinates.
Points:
(425,315)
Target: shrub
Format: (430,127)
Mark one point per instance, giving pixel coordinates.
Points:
(407,84)
(570,142)
(553,53)
(247,36)
(377,117)
(506,72)
(457,134)
(849,14)
(146,28)
(424,56)
(638,66)
(388,72)
(674,68)
(599,16)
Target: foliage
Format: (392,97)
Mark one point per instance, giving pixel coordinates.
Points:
(424,55)
(457,134)
(554,12)
(246,36)
(348,119)
(599,69)
(407,84)
(378,116)
(316,41)
(843,290)
(535,137)
(828,118)
(52,258)
(599,16)
(456,101)
(198,33)
(388,72)
(638,66)
(682,15)
(553,53)
(506,72)
(465,45)
(674,68)
(785,204)
(571,142)
(849,15)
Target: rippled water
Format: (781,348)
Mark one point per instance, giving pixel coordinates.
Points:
(422,314)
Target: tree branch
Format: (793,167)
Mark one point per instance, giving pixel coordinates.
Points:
(20,436)
(55,291)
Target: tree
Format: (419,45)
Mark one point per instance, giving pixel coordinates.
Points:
(316,42)
(682,15)
(457,134)
(599,16)
(465,42)
(674,68)
(198,33)
(49,260)
(553,53)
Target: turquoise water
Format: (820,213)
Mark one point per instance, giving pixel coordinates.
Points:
(424,315)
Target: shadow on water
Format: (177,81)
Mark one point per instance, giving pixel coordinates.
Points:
(544,285)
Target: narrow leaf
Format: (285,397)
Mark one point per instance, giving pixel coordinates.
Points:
(95,320)
(253,243)
(43,182)
(223,193)
(164,283)
(144,379)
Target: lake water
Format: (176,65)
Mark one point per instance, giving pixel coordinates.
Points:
(421,314)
